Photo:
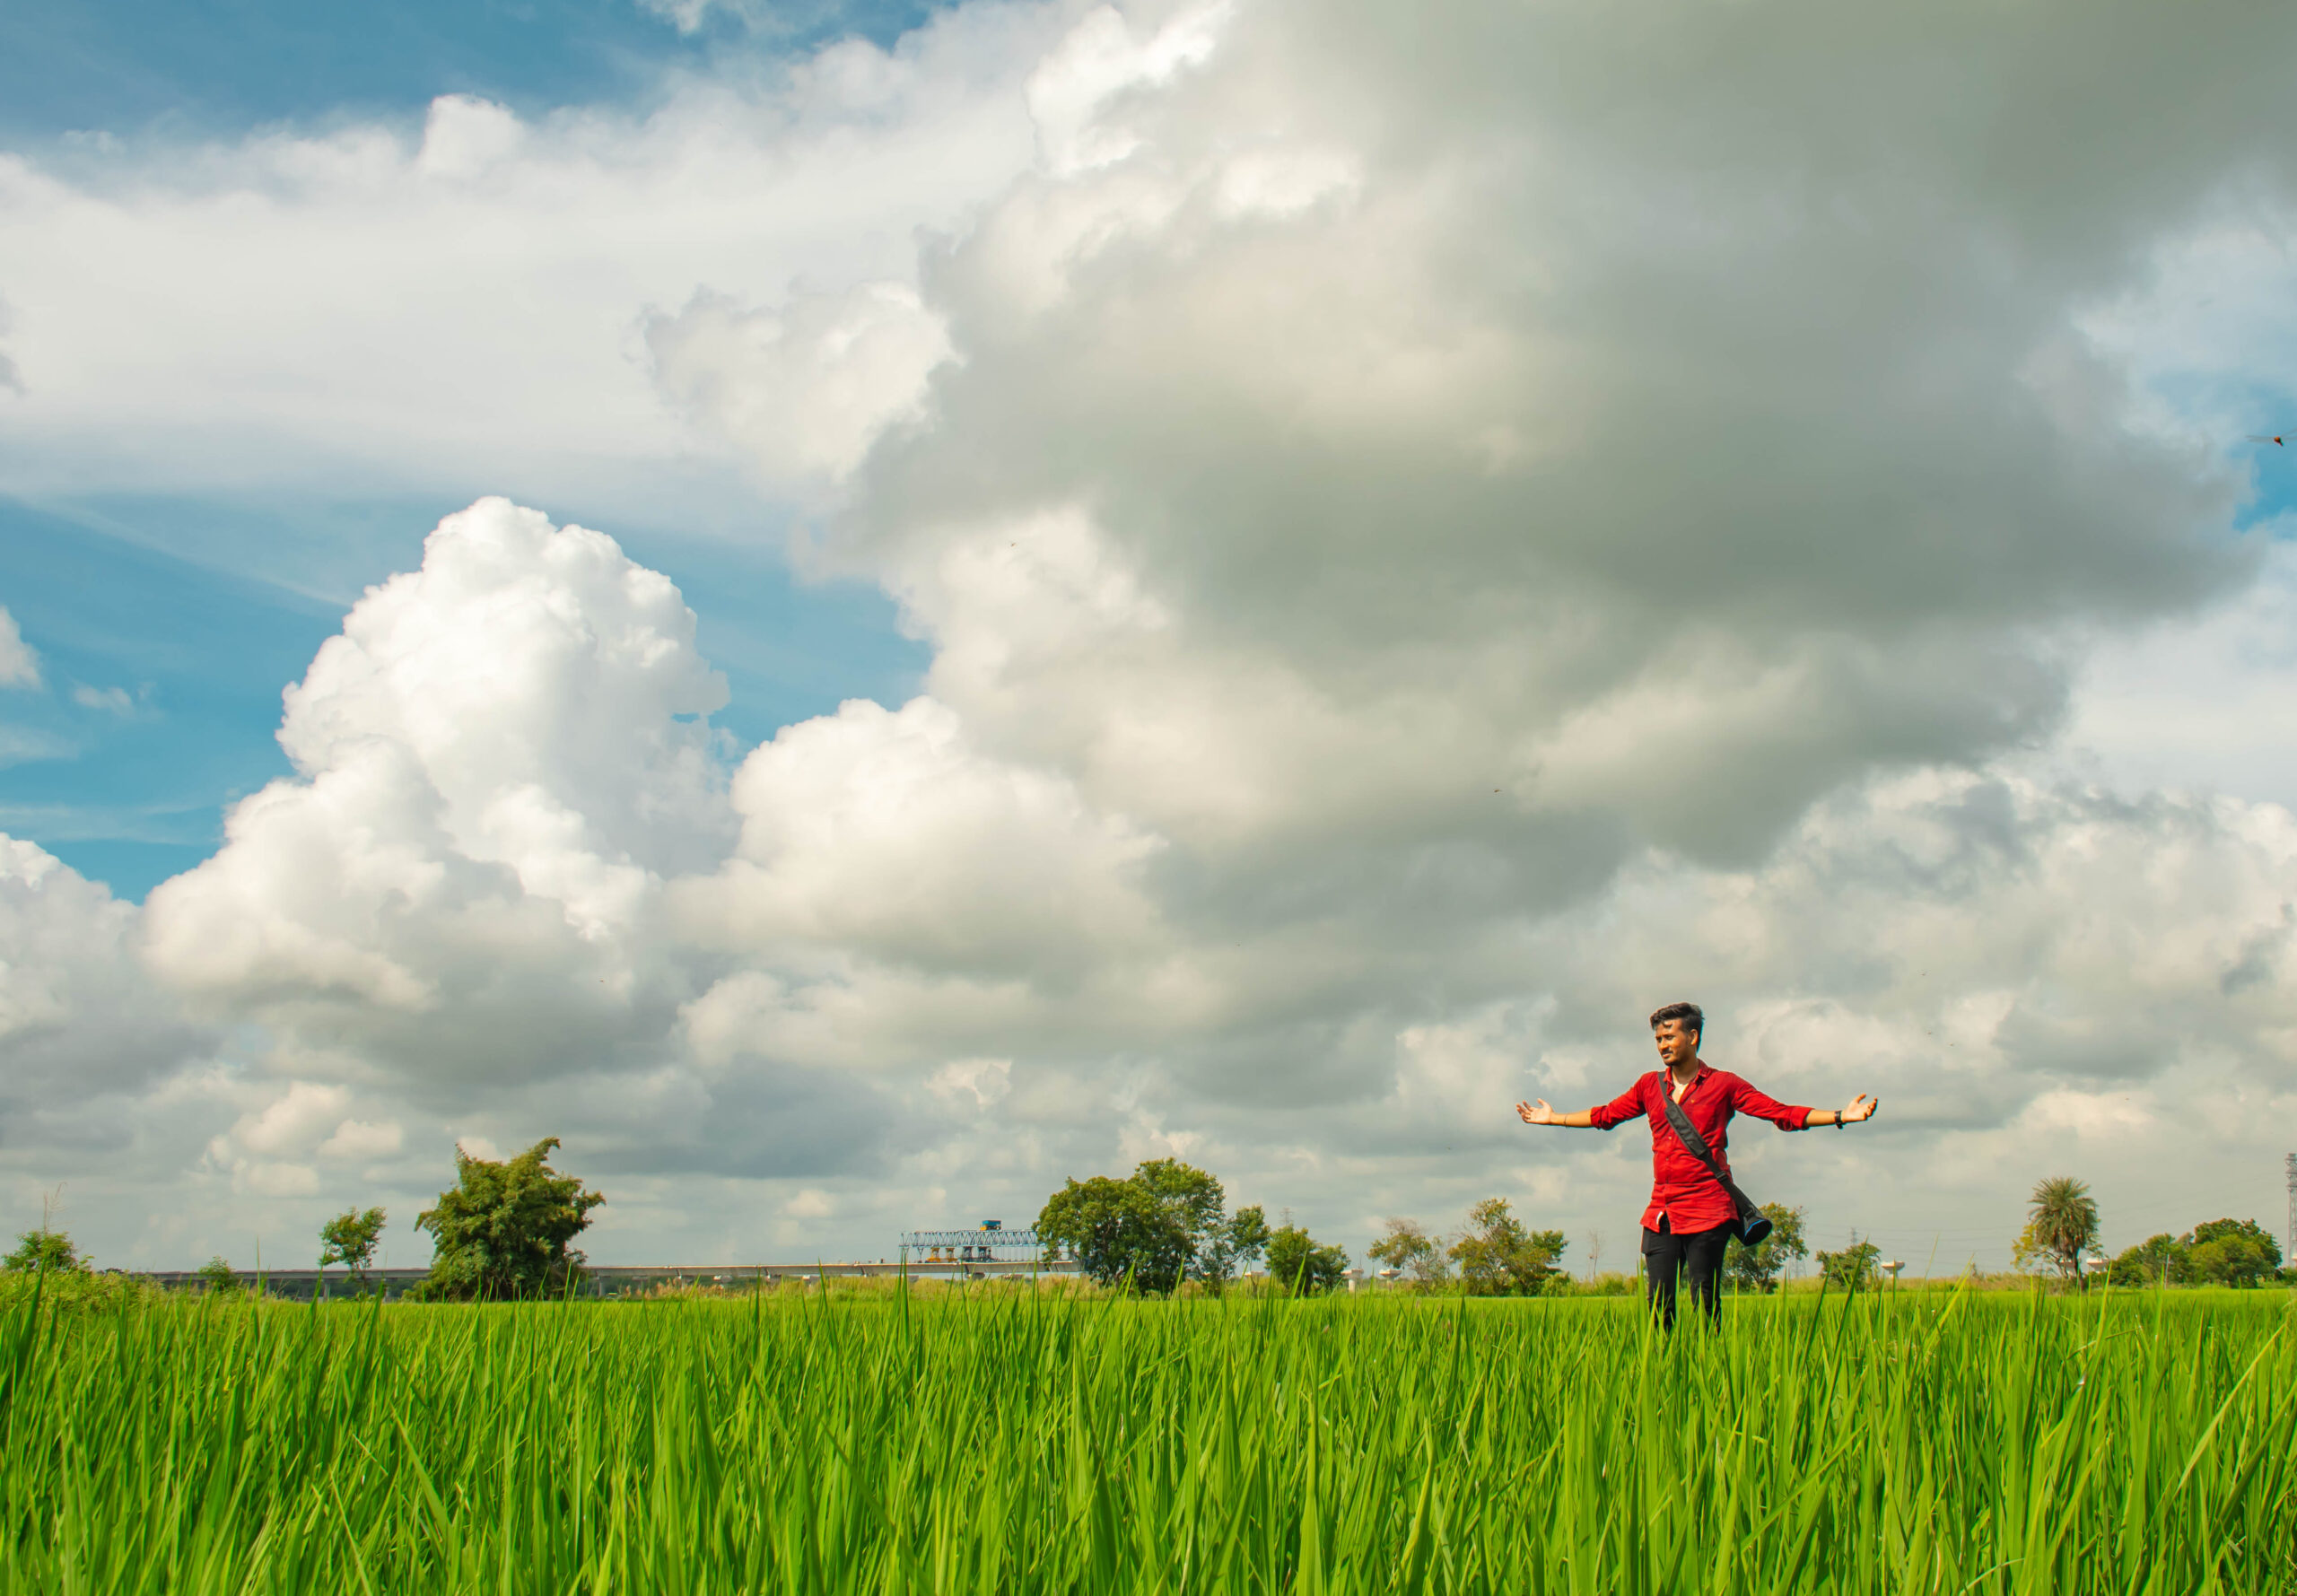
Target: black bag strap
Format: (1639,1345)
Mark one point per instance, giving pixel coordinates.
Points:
(1688,1134)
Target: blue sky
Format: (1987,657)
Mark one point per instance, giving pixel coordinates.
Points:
(177,70)
(202,607)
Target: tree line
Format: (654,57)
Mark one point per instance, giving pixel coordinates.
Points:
(504,1230)
(1164,1225)
(2062,1231)
(1494,1254)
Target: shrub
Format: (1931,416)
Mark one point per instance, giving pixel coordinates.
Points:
(1303,1266)
(502,1230)
(1405,1247)
(1497,1256)
(2232,1260)
(349,1239)
(2157,1260)
(45,1248)
(1852,1269)
(1758,1268)
(2233,1251)
(2217,1252)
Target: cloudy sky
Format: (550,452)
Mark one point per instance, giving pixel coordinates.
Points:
(857,609)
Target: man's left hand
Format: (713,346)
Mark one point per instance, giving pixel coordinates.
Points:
(1861,1107)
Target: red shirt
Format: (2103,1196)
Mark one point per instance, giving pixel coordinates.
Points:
(1681,1190)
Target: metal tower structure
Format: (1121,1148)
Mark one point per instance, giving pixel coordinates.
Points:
(991,1244)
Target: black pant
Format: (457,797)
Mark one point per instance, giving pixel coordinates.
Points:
(1698,1253)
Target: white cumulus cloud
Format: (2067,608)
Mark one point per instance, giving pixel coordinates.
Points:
(498,762)
(19,664)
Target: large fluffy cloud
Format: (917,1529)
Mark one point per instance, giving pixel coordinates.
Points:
(455,911)
(1660,455)
(1437,533)
(499,762)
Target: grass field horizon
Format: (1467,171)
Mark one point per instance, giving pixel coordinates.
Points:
(880,1441)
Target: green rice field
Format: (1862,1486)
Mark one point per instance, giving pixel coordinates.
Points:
(1936,1442)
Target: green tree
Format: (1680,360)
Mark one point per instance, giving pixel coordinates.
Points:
(1217,1244)
(2157,1260)
(1244,1240)
(2211,1230)
(1303,1266)
(2231,1261)
(1404,1246)
(1194,1196)
(218,1275)
(2232,1251)
(1758,1268)
(1118,1231)
(1853,1268)
(1159,1226)
(45,1248)
(349,1239)
(1497,1256)
(2064,1219)
(502,1230)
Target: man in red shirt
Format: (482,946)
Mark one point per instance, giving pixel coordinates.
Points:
(1690,1214)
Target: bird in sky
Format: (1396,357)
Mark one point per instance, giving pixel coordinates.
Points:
(2261,438)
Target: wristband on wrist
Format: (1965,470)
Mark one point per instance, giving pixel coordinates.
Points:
(1838,1121)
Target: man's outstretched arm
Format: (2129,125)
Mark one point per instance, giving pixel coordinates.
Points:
(1539,1114)
(1627,1105)
(1861,1107)
(1791,1116)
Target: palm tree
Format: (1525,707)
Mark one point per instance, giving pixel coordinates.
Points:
(2064,1220)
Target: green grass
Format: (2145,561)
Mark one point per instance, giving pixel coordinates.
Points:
(1941,1443)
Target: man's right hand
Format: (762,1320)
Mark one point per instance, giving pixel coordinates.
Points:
(1536,1113)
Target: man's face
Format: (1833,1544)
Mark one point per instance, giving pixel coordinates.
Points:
(1678,1042)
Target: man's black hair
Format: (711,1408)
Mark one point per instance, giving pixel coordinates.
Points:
(1689,1013)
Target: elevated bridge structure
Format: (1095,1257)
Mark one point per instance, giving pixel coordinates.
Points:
(990,1243)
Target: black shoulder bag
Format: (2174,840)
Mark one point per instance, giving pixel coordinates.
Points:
(1751,1225)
